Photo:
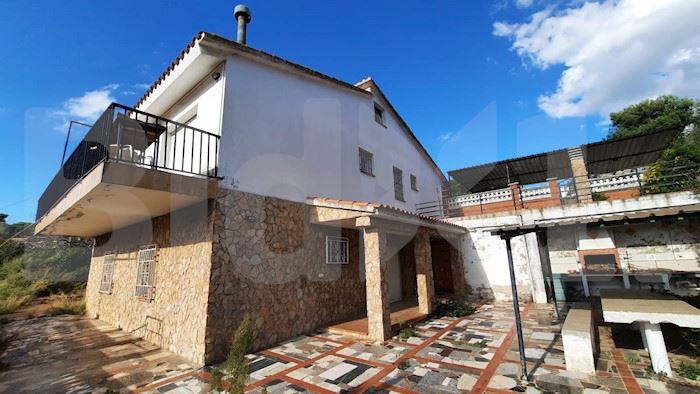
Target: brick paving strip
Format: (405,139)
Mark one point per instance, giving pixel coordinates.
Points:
(627,377)
(482,383)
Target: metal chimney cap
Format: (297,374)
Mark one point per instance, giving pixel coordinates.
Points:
(242,10)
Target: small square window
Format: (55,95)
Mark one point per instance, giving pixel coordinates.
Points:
(414,182)
(379,115)
(107,273)
(145,272)
(398,184)
(336,250)
(366,162)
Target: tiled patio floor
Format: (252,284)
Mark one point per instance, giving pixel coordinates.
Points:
(476,354)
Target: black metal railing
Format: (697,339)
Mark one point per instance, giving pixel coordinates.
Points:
(126,135)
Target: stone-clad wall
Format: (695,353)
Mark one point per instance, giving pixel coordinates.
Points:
(269,265)
(175,319)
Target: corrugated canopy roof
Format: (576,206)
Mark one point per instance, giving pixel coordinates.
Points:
(601,158)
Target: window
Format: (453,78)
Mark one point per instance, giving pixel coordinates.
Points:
(145,271)
(336,250)
(379,115)
(107,273)
(398,184)
(414,182)
(366,165)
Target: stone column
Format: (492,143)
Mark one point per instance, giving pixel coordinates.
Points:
(378,313)
(424,272)
(459,284)
(581,182)
(515,194)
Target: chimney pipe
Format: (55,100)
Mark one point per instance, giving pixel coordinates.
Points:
(242,15)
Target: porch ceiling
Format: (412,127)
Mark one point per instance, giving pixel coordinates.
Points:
(116,195)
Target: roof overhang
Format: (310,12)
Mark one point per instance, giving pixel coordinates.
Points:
(115,195)
(194,63)
(357,214)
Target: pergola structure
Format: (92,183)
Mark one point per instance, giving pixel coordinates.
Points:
(601,157)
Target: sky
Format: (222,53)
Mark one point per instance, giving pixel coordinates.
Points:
(476,81)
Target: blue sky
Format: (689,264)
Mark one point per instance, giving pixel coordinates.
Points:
(468,77)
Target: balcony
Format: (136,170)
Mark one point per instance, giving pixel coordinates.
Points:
(129,167)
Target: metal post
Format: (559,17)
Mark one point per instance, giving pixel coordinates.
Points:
(516,309)
(639,181)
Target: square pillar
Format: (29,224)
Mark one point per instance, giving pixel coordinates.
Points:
(424,272)
(378,312)
(580,172)
(554,191)
(515,194)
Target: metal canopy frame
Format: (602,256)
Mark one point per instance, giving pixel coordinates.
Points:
(601,157)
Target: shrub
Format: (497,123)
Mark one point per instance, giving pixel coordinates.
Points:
(689,371)
(598,196)
(406,333)
(236,364)
(632,359)
(63,304)
(454,308)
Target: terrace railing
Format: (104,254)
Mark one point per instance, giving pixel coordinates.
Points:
(659,177)
(126,135)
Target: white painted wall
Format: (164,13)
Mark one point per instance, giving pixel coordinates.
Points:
(292,136)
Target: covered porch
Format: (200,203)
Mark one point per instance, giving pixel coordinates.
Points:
(407,259)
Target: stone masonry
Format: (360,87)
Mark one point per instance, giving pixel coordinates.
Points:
(175,318)
(269,266)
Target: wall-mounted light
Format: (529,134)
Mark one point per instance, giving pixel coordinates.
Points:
(216,76)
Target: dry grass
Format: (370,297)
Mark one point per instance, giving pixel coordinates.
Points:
(13,303)
(63,304)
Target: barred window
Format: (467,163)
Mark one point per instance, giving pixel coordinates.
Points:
(336,250)
(398,184)
(145,272)
(107,273)
(366,162)
(414,182)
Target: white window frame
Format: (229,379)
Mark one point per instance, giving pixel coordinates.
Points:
(342,242)
(379,114)
(145,272)
(366,161)
(398,184)
(414,182)
(107,273)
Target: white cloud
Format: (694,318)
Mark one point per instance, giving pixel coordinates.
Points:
(614,53)
(87,107)
(523,3)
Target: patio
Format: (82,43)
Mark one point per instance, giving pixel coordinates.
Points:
(475,354)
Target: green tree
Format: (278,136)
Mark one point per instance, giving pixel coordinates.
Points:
(679,165)
(665,112)
(236,364)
